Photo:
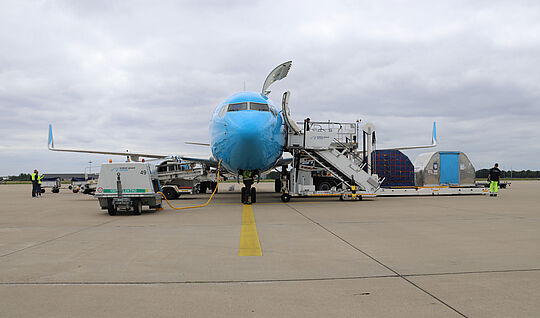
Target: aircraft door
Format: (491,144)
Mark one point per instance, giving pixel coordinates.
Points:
(449,167)
(287,113)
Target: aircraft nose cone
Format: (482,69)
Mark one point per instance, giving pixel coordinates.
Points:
(250,132)
(250,135)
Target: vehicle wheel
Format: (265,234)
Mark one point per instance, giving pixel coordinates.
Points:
(137,207)
(277,185)
(285,197)
(42,190)
(55,190)
(203,188)
(170,194)
(253,195)
(111,208)
(244,195)
(342,197)
(70,187)
(323,185)
(75,190)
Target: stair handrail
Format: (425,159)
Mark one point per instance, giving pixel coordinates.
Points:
(325,167)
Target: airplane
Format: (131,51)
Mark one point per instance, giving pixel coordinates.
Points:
(247,136)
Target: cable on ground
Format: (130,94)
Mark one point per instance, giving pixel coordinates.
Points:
(195,206)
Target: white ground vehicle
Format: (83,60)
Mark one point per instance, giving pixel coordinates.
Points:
(128,186)
(179,177)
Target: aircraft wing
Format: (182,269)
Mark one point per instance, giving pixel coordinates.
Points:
(197,143)
(211,162)
(433,143)
(133,155)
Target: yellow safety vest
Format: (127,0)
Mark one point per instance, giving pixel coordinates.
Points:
(34,176)
(39,179)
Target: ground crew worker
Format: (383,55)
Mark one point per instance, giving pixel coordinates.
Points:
(34,178)
(38,193)
(494,178)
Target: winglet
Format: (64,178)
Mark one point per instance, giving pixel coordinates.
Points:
(51,141)
(433,142)
(434,136)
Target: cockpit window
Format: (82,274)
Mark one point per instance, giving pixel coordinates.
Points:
(222,111)
(258,106)
(237,107)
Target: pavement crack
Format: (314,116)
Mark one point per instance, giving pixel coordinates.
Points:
(379,262)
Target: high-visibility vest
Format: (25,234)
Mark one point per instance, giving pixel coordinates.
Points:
(39,179)
(34,175)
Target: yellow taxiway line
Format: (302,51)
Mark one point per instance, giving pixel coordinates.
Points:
(249,239)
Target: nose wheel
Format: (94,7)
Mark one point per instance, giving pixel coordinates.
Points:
(247,193)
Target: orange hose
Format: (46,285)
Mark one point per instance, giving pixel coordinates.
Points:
(195,206)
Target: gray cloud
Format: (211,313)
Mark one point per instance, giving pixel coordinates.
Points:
(146,77)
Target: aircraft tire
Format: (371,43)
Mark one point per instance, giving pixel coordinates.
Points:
(285,197)
(277,185)
(244,195)
(253,195)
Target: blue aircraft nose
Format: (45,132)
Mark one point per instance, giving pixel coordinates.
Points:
(249,133)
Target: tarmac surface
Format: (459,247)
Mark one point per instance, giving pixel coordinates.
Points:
(459,256)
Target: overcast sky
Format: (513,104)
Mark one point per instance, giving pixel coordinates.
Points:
(147,75)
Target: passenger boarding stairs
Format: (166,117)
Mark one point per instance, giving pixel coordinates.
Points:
(334,148)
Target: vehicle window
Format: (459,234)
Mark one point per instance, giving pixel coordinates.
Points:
(237,107)
(258,106)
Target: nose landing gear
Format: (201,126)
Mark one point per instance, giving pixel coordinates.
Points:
(248,191)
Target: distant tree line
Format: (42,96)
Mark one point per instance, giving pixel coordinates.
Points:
(21,177)
(483,174)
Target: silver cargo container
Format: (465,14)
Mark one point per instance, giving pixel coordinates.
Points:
(444,168)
